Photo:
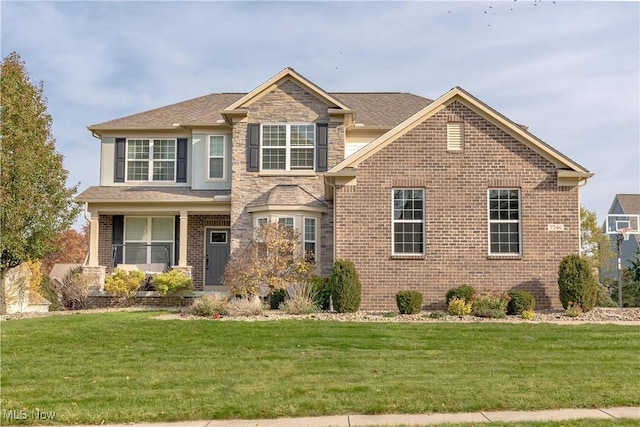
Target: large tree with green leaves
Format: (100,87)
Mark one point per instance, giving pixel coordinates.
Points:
(596,245)
(36,205)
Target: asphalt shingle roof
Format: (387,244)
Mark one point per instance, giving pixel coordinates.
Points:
(372,109)
(287,195)
(630,203)
(148,194)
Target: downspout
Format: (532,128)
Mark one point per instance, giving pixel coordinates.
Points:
(86,211)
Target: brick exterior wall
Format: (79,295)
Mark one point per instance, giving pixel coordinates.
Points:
(287,103)
(105,234)
(195,243)
(456,236)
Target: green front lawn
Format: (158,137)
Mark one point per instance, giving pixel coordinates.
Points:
(119,367)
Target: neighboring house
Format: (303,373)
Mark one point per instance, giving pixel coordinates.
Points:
(419,194)
(624,204)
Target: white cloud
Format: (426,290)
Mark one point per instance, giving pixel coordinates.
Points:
(569,70)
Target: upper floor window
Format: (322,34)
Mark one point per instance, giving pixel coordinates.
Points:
(151,160)
(504,221)
(408,221)
(288,146)
(216,153)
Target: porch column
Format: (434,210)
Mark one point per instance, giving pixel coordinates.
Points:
(184,221)
(93,239)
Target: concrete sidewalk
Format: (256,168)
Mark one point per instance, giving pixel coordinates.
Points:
(410,419)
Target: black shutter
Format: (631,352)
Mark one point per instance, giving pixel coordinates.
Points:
(181,160)
(117,238)
(118,171)
(176,241)
(322,144)
(253,147)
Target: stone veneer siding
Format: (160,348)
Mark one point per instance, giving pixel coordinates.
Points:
(287,103)
(456,236)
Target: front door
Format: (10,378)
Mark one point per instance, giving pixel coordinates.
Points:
(217,255)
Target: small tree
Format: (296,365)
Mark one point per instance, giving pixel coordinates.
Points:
(345,287)
(576,282)
(274,259)
(72,248)
(35,204)
(596,245)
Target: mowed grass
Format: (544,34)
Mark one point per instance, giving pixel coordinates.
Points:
(122,367)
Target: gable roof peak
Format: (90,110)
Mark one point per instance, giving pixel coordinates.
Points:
(287,72)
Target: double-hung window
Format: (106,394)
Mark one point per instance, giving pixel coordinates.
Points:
(148,240)
(504,221)
(216,154)
(288,146)
(408,221)
(151,159)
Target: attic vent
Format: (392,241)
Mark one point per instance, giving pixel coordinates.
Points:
(455,136)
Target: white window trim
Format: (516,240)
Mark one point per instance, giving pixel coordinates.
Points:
(150,160)
(298,225)
(224,159)
(287,147)
(148,241)
(315,237)
(415,221)
(504,221)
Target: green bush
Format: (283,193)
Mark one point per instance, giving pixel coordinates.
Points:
(520,301)
(276,298)
(437,314)
(490,306)
(209,306)
(576,282)
(464,292)
(345,287)
(458,307)
(630,294)
(604,297)
(409,302)
(48,291)
(172,284)
(123,284)
(322,291)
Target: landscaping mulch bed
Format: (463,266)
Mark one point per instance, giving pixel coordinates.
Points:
(629,316)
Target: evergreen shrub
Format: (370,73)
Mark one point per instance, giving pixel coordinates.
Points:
(346,290)
(464,292)
(409,302)
(520,301)
(577,284)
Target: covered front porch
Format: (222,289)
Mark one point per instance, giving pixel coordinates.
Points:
(154,227)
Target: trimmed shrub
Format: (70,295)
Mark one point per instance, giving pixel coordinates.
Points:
(490,306)
(464,292)
(528,315)
(520,301)
(576,282)
(409,302)
(437,314)
(345,286)
(123,284)
(48,290)
(209,306)
(276,298)
(172,284)
(458,307)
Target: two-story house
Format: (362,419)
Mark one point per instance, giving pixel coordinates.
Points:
(419,194)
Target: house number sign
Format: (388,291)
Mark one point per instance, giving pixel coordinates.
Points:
(555,227)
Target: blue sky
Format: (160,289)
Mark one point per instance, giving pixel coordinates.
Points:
(568,70)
